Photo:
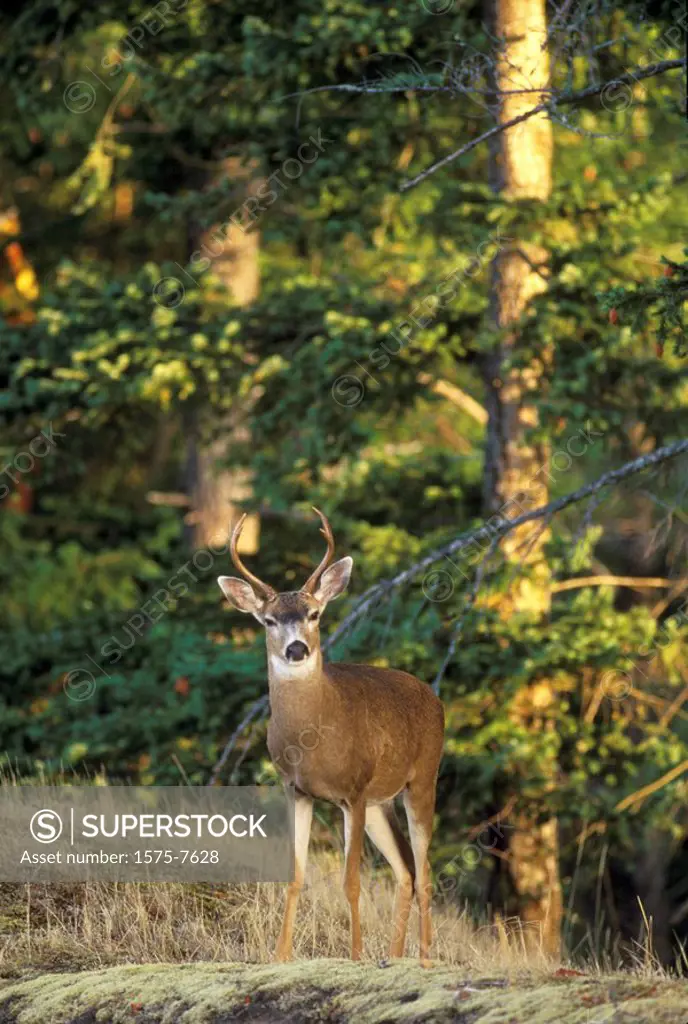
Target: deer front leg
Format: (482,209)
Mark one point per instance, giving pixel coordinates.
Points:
(354,823)
(303,815)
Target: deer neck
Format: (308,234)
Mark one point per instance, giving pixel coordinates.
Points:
(297,691)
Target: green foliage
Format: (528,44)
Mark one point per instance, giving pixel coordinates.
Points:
(45,586)
(659,308)
(73,696)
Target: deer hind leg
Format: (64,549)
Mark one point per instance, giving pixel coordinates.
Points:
(303,815)
(354,822)
(419,802)
(383,829)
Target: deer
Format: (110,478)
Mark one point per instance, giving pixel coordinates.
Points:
(354,735)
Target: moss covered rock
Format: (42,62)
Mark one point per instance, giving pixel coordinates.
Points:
(335,991)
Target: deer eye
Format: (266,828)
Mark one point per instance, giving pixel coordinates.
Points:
(314,616)
(270,622)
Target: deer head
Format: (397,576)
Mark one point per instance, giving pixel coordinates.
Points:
(291,618)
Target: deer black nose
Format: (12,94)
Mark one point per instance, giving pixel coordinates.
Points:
(296,651)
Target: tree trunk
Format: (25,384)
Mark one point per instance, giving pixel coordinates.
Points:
(232,249)
(521,168)
(650,876)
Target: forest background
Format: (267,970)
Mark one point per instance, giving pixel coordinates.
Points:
(233,278)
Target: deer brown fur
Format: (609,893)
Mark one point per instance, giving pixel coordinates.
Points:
(355,735)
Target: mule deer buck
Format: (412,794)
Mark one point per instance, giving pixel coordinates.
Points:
(378,733)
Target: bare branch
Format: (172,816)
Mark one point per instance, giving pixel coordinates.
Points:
(641,795)
(639,582)
(649,71)
(662,605)
(504,526)
(456,396)
(253,712)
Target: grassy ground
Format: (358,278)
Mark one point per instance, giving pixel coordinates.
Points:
(163,954)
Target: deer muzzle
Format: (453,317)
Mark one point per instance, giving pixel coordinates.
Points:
(296,651)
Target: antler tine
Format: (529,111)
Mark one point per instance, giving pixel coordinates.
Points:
(326,530)
(265,589)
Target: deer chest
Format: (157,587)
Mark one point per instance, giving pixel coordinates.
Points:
(317,760)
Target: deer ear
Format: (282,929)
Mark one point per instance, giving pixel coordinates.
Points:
(240,594)
(334,580)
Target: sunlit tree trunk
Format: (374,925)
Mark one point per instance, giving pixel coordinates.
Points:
(233,249)
(521,168)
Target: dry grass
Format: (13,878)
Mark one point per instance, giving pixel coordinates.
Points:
(96,924)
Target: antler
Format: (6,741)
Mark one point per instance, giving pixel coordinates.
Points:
(326,530)
(263,588)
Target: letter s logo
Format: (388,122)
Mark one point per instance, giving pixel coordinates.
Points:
(46,826)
